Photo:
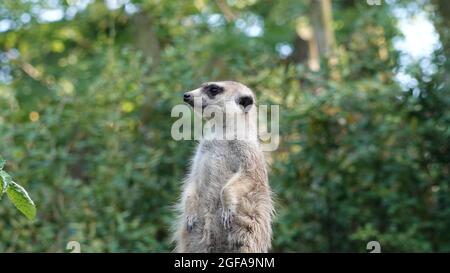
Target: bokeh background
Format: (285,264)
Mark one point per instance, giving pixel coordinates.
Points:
(86,90)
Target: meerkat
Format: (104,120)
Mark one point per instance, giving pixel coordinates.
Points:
(226,201)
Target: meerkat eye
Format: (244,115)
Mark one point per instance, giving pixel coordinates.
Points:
(213,90)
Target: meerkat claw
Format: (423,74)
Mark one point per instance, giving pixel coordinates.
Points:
(190,223)
(227,218)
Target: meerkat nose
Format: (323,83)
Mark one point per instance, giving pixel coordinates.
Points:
(187,97)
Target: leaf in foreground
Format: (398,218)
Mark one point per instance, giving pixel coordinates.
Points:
(5,180)
(20,198)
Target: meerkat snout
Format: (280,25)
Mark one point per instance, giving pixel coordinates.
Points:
(187,98)
(245,102)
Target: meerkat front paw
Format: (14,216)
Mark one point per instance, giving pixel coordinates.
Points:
(191,220)
(227,217)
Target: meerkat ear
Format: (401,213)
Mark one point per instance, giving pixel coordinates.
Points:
(245,102)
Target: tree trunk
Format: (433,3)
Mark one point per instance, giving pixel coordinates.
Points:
(315,42)
(442,25)
(442,22)
(322,19)
(146,39)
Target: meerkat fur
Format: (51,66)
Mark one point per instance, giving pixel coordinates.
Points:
(226,201)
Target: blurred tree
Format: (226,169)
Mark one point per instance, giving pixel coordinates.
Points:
(86,89)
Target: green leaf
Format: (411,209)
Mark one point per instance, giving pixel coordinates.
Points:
(20,198)
(5,179)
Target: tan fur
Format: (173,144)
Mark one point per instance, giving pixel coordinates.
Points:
(226,203)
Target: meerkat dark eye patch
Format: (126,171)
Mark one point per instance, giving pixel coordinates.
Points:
(245,102)
(212,90)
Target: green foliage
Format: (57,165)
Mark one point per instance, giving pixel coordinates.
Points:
(360,167)
(16,193)
(85,124)
(20,198)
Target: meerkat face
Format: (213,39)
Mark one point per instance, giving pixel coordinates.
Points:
(226,96)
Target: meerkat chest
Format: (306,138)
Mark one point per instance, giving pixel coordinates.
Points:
(213,165)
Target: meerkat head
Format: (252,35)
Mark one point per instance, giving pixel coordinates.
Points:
(227,97)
